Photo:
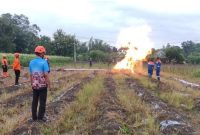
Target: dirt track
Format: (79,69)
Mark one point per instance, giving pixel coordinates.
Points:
(24,96)
(170,120)
(111,112)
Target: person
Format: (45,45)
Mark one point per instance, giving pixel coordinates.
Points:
(158,66)
(47,59)
(16,68)
(4,65)
(90,61)
(150,68)
(39,75)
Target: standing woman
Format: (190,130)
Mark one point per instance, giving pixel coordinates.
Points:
(16,68)
(4,65)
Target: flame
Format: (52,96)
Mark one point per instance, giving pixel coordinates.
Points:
(139,45)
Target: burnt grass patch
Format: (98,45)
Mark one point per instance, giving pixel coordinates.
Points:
(53,110)
(171,122)
(111,113)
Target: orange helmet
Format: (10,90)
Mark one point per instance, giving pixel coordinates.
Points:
(16,54)
(40,49)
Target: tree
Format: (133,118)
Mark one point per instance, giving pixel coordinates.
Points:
(6,33)
(187,46)
(16,33)
(174,53)
(64,44)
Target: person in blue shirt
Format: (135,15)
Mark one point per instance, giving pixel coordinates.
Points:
(39,68)
(158,66)
(150,68)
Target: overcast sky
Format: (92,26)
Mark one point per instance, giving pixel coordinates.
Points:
(170,21)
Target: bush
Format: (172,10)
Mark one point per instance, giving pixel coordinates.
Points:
(99,56)
(194,59)
(196,74)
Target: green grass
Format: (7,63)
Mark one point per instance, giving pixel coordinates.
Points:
(57,61)
(175,94)
(184,70)
(26,58)
(177,100)
(79,114)
(140,119)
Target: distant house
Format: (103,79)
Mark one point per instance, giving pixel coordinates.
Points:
(161,54)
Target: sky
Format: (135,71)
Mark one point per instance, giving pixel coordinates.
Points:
(167,21)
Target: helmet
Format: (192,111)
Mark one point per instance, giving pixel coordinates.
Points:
(40,49)
(16,54)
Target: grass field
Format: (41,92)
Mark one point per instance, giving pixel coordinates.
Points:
(104,103)
(57,61)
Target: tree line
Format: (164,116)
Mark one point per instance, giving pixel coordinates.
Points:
(188,52)
(17,34)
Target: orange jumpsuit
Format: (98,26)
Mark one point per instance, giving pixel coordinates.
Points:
(16,68)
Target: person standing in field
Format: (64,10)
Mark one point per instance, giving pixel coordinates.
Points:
(4,65)
(158,66)
(39,68)
(150,68)
(16,68)
(90,62)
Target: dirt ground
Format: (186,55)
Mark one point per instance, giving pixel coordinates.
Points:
(111,112)
(54,110)
(112,115)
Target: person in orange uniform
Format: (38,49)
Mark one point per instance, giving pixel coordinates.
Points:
(16,68)
(4,65)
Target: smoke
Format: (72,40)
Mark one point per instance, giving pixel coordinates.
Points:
(136,36)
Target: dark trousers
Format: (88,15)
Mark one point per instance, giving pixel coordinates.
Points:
(39,95)
(5,68)
(158,74)
(17,75)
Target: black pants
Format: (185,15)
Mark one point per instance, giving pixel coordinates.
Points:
(5,68)
(39,95)
(17,75)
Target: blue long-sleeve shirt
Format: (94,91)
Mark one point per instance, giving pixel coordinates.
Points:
(158,65)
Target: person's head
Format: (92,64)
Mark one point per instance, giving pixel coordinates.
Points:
(16,55)
(150,59)
(40,51)
(157,58)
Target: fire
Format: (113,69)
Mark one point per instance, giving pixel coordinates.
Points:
(139,45)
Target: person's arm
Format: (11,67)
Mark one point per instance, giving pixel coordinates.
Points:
(31,79)
(30,70)
(46,75)
(14,64)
